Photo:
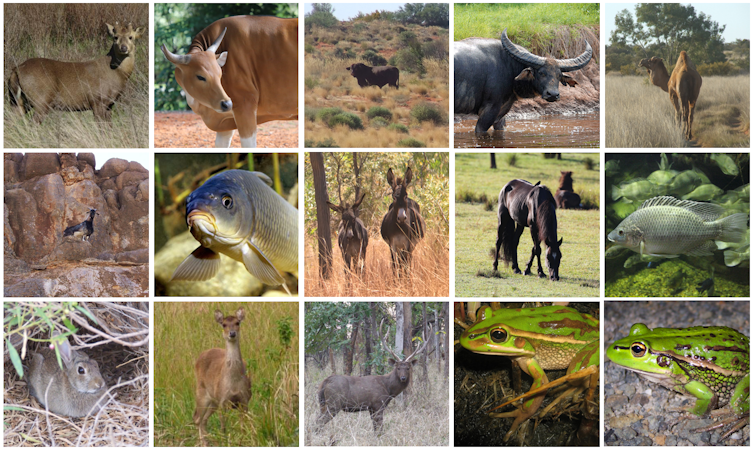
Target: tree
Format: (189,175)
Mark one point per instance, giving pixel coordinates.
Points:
(426,14)
(493,163)
(323,214)
(321,15)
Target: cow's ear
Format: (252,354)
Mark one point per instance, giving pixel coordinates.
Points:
(566,79)
(222,59)
(526,74)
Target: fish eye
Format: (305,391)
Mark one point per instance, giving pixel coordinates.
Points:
(620,232)
(499,335)
(227,201)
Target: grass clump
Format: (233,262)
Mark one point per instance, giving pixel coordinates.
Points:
(588,164)
(511,159)
(351,120)
(411,142)
(379,122)
(326,143)
(398,127)
(379,111)
(325,114)
(428,112)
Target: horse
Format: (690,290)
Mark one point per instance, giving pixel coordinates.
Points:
(521,204)
(403,225)
(353,238)
(564,196)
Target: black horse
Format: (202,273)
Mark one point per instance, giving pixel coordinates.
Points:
(403,225)
(520,205)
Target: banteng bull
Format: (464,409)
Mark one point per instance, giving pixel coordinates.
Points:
(374,76)
(253,79)
(353,238)
(359,393)
(490,74)
(43,84)
(683,85)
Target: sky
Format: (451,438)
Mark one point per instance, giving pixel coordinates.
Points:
(345,11)
(735,17)
(142,156)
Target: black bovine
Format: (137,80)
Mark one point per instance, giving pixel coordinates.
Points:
(352,236)
(520,205)
(489,75)
(374,76)
(403,225)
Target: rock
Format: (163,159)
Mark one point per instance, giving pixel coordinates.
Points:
(130,178)
(88,158)
(142,194)
(11,172)
(137,256)
(232,279)
(135,166)
(36,164)
(72,279)
(113,167)
(67,160)
(35,214)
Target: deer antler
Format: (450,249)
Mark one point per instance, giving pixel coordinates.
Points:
(422,346)
(413,353)
(383,341)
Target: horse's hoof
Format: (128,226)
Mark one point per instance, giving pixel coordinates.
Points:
(516,271)
(527,273)
(542,275)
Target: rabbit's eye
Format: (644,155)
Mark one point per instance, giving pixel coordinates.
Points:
(82,370)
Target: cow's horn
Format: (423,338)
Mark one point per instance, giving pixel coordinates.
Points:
(578,62)
(173,58)
(521,55)
(213,48)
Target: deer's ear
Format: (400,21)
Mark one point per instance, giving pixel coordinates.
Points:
(413,362)
(391,361)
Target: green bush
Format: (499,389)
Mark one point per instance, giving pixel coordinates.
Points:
(379,122)
(428,112)
(399,127)
(588,164)
(380,111)
(719,68)
(329,142)
(408,60)
(511,159)
(411,142)
(324,19)
(351,120)
(343,54)
(325,114)
(310,83)
(373,58)
(629,69)
(310,113)
(308,48)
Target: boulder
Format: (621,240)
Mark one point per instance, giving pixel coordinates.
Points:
(36,164)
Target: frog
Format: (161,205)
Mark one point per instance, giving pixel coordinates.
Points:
(536,339)
(710,363)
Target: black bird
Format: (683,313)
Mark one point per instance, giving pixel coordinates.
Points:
(83,230)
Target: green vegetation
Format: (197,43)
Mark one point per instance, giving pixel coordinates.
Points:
(428,112)
(411,142)
(351,120)
(476,228)
(380,111)
(398,127)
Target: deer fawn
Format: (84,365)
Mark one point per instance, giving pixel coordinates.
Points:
(221,376)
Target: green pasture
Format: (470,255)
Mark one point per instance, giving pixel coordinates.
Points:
(269,345)
(476,227)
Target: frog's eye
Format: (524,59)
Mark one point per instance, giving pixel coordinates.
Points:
(638,349)
(499,335)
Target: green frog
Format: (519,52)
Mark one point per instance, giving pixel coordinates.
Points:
(536,339)
(710,363)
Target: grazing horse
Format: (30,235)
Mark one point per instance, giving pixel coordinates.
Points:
(352,236)
(564,196)
(403,225)
(520,205)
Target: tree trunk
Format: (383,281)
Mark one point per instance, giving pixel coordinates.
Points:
(368,339)
(446,350)
(425,351)
(332,360)
(399,320)
(323,214)
(436,342)
(407,324)
(493,163)
(350,349)
(357,182)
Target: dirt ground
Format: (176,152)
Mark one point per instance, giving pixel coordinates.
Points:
(186,129)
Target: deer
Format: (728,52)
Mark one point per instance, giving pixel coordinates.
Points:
(359,393)
(43,84)
(221,379)
(353,238)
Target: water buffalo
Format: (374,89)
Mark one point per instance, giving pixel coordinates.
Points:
(377,75)
(490,74)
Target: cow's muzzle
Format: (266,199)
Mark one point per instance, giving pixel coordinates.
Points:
(226,105)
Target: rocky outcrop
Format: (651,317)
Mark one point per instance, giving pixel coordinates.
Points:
(44,194)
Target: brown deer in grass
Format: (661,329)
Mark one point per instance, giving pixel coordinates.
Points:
(221,379)
(359,393)
(353,238)
(403,225)
(43,84)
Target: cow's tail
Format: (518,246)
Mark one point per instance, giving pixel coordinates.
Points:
(397,79)
(16,94)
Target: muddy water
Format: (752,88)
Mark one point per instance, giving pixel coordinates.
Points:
(581,130)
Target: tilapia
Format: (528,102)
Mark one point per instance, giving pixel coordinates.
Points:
(236,213)
(667,227)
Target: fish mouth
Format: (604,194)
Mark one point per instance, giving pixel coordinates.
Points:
(202,226)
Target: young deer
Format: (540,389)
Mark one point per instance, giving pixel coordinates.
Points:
(221,376)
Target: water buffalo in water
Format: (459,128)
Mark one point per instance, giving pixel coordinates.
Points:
(490,74)
(377,75)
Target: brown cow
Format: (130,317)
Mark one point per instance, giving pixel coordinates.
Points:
(683,86)
(253,79)
(374,76)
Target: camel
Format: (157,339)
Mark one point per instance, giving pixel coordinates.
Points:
(683,86)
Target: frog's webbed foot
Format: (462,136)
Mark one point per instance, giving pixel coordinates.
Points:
(521,414)
(738,421)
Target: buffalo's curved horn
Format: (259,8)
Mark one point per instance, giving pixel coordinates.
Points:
(578,62)
(520,54)
(212,48)
(173,58)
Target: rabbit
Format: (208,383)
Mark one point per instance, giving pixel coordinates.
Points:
(75,389)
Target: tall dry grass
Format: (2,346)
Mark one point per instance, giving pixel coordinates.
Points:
(76,32)
(429,276)
(420,419)
(639,114)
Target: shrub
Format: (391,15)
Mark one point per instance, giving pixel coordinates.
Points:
(308,48)
(400,128)
(322,19)
(428,112)
(329,142)
(310,113)
(436,49)
(310,83)
(408,60)
(411,142)
(325,114)
(373,58)
(351,120)
(407,39)
(719,68)
(629,69)
(343,54)
(379,122)
(380,111)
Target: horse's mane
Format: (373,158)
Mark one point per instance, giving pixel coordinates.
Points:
(547,221)
(566,181)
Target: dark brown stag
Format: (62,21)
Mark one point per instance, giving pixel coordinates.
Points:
(403,225)
(359,393)
(352,236)
(564,196)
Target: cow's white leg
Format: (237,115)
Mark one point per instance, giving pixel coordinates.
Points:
(223,138)
(250,141)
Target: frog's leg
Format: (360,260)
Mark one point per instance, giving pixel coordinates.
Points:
(530,407)
(739,403)
(706,399)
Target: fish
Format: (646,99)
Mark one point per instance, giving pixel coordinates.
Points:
(636,190)
(704,192)
(661,177)
(736,257)
(612,167)
(686,181)
(236,213)
(726,163)
(668,227)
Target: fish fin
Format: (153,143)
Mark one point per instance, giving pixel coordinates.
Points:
(732,258)
(264,177)
(734,227)
(616,194)
(662,255)
(202,264)
(705,249)
(260,266)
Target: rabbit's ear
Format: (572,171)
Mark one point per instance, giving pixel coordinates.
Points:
(65,351)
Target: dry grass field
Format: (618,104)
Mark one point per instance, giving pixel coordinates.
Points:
(638,114)
(414,115)
(76,32)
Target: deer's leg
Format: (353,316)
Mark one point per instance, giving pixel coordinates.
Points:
(377,420)
(204,409)
(324,417)
(516,239)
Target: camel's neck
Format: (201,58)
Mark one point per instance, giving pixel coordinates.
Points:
(660,77)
